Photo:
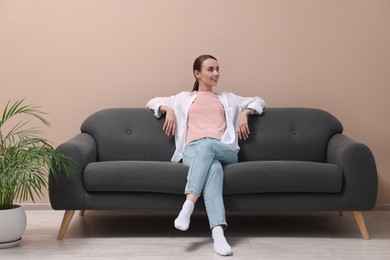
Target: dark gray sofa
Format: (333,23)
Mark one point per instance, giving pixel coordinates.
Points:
(296,159)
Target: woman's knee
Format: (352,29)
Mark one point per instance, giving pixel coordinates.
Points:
(216,168)
(206,148)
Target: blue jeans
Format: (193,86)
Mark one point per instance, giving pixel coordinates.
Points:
(205,157)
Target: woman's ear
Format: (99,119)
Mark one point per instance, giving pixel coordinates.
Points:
(196,74)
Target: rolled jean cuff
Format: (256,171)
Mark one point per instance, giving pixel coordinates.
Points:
(223,224)
(192,192)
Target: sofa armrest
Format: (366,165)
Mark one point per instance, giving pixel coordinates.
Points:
(360,173)
(67,191)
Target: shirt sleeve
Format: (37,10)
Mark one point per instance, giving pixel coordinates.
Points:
(257,104)
(155,104)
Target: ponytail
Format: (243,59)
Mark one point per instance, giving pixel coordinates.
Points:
(196,85)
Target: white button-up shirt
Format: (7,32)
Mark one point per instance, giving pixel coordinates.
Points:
(181,102)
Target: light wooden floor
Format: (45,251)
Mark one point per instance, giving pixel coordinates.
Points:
(132,235)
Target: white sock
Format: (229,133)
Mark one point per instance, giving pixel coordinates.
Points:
(182,222)
(221,246)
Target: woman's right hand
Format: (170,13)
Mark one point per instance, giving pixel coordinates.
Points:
(169,126)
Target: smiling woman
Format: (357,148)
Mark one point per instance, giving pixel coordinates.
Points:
(206,125)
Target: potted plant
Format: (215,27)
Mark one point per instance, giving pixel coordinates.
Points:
(25,161)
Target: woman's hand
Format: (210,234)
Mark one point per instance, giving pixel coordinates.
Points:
(169,126)
(243,127)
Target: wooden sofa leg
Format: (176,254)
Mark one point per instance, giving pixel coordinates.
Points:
(65,223)
(81,213)
(360,222)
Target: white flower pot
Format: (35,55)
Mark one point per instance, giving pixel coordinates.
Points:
(12,225)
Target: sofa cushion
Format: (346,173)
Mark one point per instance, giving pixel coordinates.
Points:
(129,134)
(282,176)
(289,134)
(240,178)
(136,176)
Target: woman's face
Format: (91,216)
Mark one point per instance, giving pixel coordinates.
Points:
(209,74)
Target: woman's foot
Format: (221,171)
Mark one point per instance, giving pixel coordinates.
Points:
(182,222)
(221,246)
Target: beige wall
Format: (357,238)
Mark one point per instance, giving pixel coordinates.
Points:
(74,57)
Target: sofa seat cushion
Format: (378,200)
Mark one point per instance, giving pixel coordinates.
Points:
(240,178)
(282,176)
(135,176)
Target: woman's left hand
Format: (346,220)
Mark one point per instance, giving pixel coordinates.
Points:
(243,127)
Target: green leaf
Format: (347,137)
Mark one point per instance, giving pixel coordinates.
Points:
(25,157)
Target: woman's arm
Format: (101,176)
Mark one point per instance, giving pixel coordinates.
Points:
(243,127)
(164,105)
(257,104)
(248,106)
(170,120)
(157,102)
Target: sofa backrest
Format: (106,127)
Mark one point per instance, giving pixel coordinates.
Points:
(289,134)
(129,134)
(278,134)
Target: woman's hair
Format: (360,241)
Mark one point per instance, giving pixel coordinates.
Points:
(198,66)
